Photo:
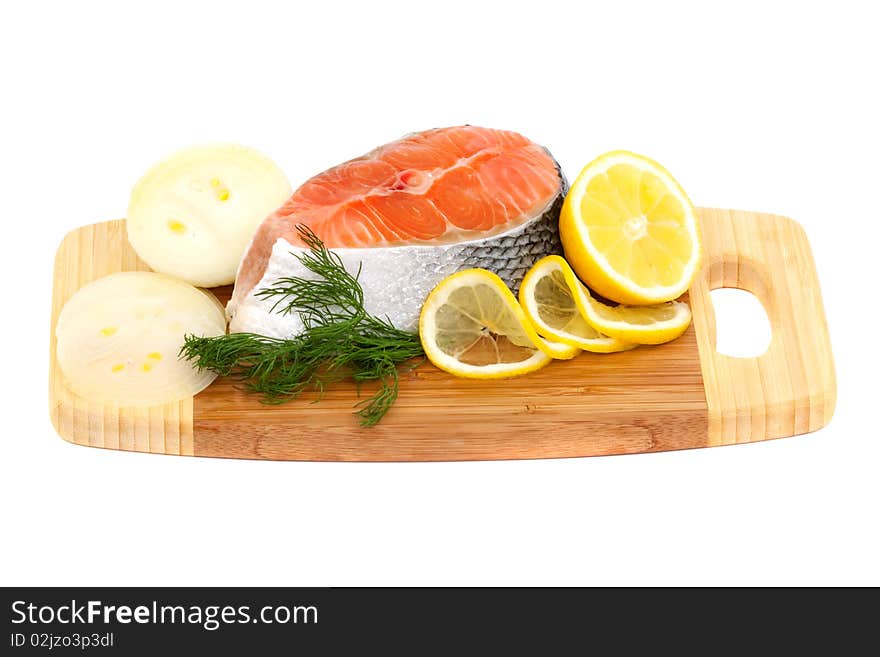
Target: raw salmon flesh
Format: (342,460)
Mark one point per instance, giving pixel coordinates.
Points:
(410,213)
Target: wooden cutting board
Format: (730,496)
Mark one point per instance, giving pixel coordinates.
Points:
(674,396)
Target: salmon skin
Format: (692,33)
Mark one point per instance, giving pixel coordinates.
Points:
(409,214)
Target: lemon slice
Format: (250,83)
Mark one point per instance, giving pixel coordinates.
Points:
(555,309)
(629,230)
(471,325)
(561,306)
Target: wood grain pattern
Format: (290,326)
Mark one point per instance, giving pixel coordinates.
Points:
(674,396)
(84,255)
(791,389)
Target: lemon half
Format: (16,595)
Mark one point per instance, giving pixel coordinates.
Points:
(630,231)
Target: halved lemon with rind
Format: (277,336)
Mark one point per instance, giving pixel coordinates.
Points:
(472,326)
(630,231)
(556,311)
(551,294)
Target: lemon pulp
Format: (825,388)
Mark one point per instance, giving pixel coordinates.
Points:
(629,230)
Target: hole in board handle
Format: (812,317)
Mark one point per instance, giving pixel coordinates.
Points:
(742,329)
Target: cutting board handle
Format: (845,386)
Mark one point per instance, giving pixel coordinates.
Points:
(790,389)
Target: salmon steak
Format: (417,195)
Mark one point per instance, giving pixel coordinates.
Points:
(409,214)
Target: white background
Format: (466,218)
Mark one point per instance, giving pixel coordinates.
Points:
(769,106)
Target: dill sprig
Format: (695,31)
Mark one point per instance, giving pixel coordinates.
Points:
(340,339)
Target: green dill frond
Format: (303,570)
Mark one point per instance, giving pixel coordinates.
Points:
(340,339)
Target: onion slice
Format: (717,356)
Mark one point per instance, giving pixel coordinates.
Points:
(118,338)
(193,215)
